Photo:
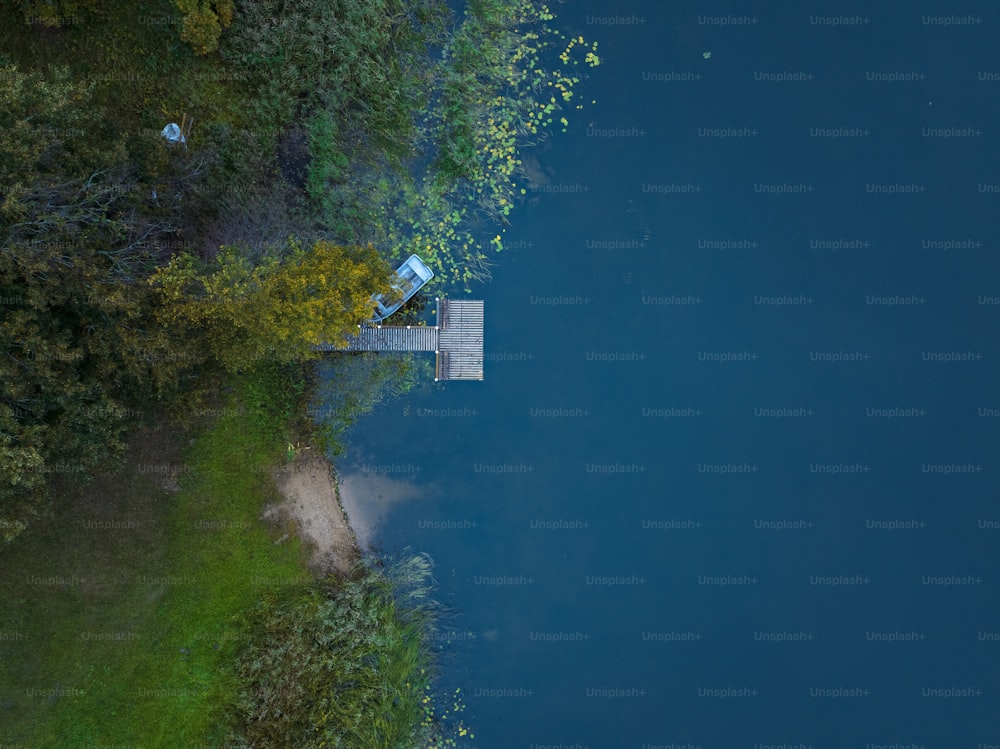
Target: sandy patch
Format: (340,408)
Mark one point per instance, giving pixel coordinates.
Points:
(310,498)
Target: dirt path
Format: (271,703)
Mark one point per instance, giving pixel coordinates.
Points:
(309,489)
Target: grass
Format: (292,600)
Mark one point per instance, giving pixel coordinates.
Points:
(136,647)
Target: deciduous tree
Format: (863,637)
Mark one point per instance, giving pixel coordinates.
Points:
(278,309)
(78,349)
(203,21)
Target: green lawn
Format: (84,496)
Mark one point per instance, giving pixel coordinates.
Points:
(130,643)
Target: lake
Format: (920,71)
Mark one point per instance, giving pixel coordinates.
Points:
(730,478)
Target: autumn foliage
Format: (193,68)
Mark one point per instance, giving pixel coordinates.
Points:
(277,309)
(203,22)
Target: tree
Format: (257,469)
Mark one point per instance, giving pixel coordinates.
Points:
(278,309)
(69,186)
(203,22)
(78,348)
(56,13)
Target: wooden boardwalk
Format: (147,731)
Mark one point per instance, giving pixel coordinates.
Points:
(457,339)
(390,338)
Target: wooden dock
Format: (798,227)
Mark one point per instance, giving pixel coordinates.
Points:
(457,339)
(460,340)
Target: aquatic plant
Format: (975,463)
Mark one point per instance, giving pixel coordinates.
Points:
(498,90)
(344,664)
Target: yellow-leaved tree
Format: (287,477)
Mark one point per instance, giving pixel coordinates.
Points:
(203,21)
(277,309)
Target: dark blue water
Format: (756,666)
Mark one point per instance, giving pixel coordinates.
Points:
(731,478)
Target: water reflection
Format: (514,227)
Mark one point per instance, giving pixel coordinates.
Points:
(368,498)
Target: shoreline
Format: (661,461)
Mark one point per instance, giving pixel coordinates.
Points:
(339,516)
(311,500)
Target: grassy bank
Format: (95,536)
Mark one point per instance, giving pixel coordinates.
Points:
(117,625)
(134,616)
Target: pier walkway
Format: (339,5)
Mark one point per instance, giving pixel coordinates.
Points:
(457,339)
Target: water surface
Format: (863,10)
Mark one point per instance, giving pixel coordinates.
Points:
(729,478)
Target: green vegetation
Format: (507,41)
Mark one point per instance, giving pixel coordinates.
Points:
(159,304)
(158,592)
(143,573)
(494,97)
(77,356)
(343,665)
(349,386)
(55,13)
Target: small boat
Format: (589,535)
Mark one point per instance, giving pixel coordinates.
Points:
(410,278)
